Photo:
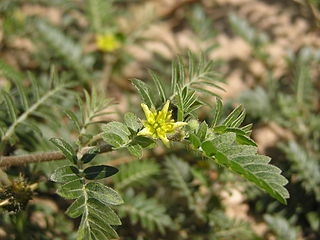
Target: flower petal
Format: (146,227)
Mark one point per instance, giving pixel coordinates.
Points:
(165,141)
(166,107)
(146,111)
(144,132)
(159,124)
(178,124)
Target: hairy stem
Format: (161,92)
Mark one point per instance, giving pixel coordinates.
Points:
(7,161)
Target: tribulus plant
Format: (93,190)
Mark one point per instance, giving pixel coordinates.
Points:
(170,115)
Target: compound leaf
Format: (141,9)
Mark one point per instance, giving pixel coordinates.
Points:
(244,160)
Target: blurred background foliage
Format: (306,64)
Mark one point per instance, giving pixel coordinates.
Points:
(268,53)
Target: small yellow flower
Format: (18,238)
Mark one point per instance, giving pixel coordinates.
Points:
(159,124)
(107,42)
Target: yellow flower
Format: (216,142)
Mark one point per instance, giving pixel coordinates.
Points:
(107,42)
(159,124)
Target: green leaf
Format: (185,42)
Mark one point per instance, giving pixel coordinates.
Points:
(35,86)
(132,121)
(209,148)
(93,203)
(64,47)
(71,189)
(84,229)
(12,110)
(202,131)
(101,211)
(134,173)
(179,173)
(242,28)
(135,150)
(76,209)
(144,92)
(144,142)
(306,164)
(195,140)
(235,118)
(22,94)
(241,134)
(100,13)
(33,126)
(103,193)
(242,138)
(159,86)
(72,116)
(281,227)
(87,157)
(224,140)
(65,174)
(65,148)
(116,134)
(93,226)
(9,72)
(148,211)
(99,172)
(244,160)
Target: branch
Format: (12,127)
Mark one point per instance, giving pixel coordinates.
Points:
(8,161)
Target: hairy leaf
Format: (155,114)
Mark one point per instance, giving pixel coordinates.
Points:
(132,121)
(63,46)
(148,211)
(71,189)
(93,202)
(65,148)
(244,160)
(178,173)
(159,86)
(135,150)
(103,193)
(65,174)
(307,166)
(116,134)
(11,107)
(76,209)
(99,172)
(72,116)
(144,92)
(135,172)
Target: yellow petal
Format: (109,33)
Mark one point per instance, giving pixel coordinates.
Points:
(178,124)
(144,132)
(165,141)
(166,107)
(146,110)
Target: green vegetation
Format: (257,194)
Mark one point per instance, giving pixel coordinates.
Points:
(152,120)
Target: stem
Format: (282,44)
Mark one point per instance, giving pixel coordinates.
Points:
(94,139)
(7,161)
(32,158)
